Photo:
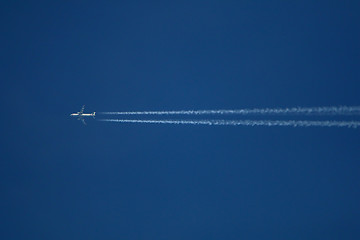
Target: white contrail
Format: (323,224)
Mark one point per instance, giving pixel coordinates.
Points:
(268,123)
(341,110)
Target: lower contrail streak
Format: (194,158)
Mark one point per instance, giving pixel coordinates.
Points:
(341,110)
(252,123)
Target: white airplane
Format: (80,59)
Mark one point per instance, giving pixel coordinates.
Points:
(81,115)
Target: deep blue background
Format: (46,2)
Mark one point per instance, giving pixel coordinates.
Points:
(62,180)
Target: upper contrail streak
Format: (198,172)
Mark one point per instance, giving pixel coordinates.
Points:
(341,110)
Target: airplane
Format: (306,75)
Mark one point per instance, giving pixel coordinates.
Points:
(81,115)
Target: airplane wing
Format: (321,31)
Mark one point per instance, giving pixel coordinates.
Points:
(83,121)
(82,109)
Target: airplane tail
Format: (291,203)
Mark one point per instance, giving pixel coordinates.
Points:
(94,115)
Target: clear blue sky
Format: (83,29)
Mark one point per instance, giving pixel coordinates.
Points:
(62,180)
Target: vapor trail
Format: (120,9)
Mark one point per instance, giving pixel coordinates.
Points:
(341,110)
(252,123)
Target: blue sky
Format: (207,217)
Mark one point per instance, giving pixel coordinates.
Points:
(62,180)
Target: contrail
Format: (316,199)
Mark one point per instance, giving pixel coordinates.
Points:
(341,110)
(252,123)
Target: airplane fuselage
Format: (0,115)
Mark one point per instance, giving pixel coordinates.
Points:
(83,114)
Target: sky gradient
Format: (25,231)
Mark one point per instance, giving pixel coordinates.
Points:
(63,180)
